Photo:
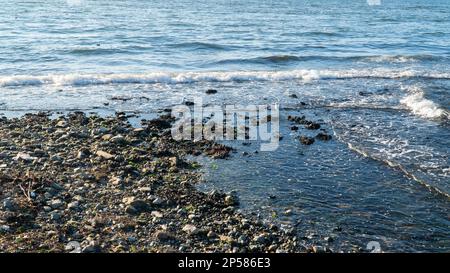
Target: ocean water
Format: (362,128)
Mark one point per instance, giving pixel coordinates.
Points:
(377,75)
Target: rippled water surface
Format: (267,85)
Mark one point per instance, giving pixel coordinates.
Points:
(377,77)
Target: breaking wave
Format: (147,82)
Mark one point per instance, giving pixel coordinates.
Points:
(421,106)
(226,76)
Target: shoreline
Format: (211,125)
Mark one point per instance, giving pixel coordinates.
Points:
(97,184)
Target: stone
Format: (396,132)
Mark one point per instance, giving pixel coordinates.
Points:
(157,214)
(61,124)
(24,157)
(55,203)
(262,239)
(211,234)
(4,229)
(55,216)
(306,140)
(190,229)
(243,240)
(174,161)
(115,180)
(81,155)
(312,126)
(145,189)
(135,205)
(211,91)
(9,204)
(118,140)
(105,155)
(73,205)
(231,200)
(158,201)
(324,137)
(107,137)
(319,249)
(164,236)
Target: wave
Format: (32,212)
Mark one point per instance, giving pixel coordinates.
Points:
(281,59)
(399,58)
(225,76)
(421,106)
(201,45)
(92,51)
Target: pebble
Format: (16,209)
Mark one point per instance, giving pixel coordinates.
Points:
(105,155)
(55,216)
(118,140)
(55,203)
(262,239)
(164,236)
(73,205)
(190,229)
(157,214)
(4,229)
(9,204)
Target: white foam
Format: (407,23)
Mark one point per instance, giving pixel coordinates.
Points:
(392,59)
(421,106)
(193,77)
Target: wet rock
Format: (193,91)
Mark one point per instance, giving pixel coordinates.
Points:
(118,140)
(306,140)
(262,239)
(312,125)
(211,91)
(231,200)
(323,136)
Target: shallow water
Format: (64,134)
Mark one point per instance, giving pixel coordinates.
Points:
(377,75)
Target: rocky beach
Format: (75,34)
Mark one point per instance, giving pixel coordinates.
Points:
(79,183)
(335,118)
